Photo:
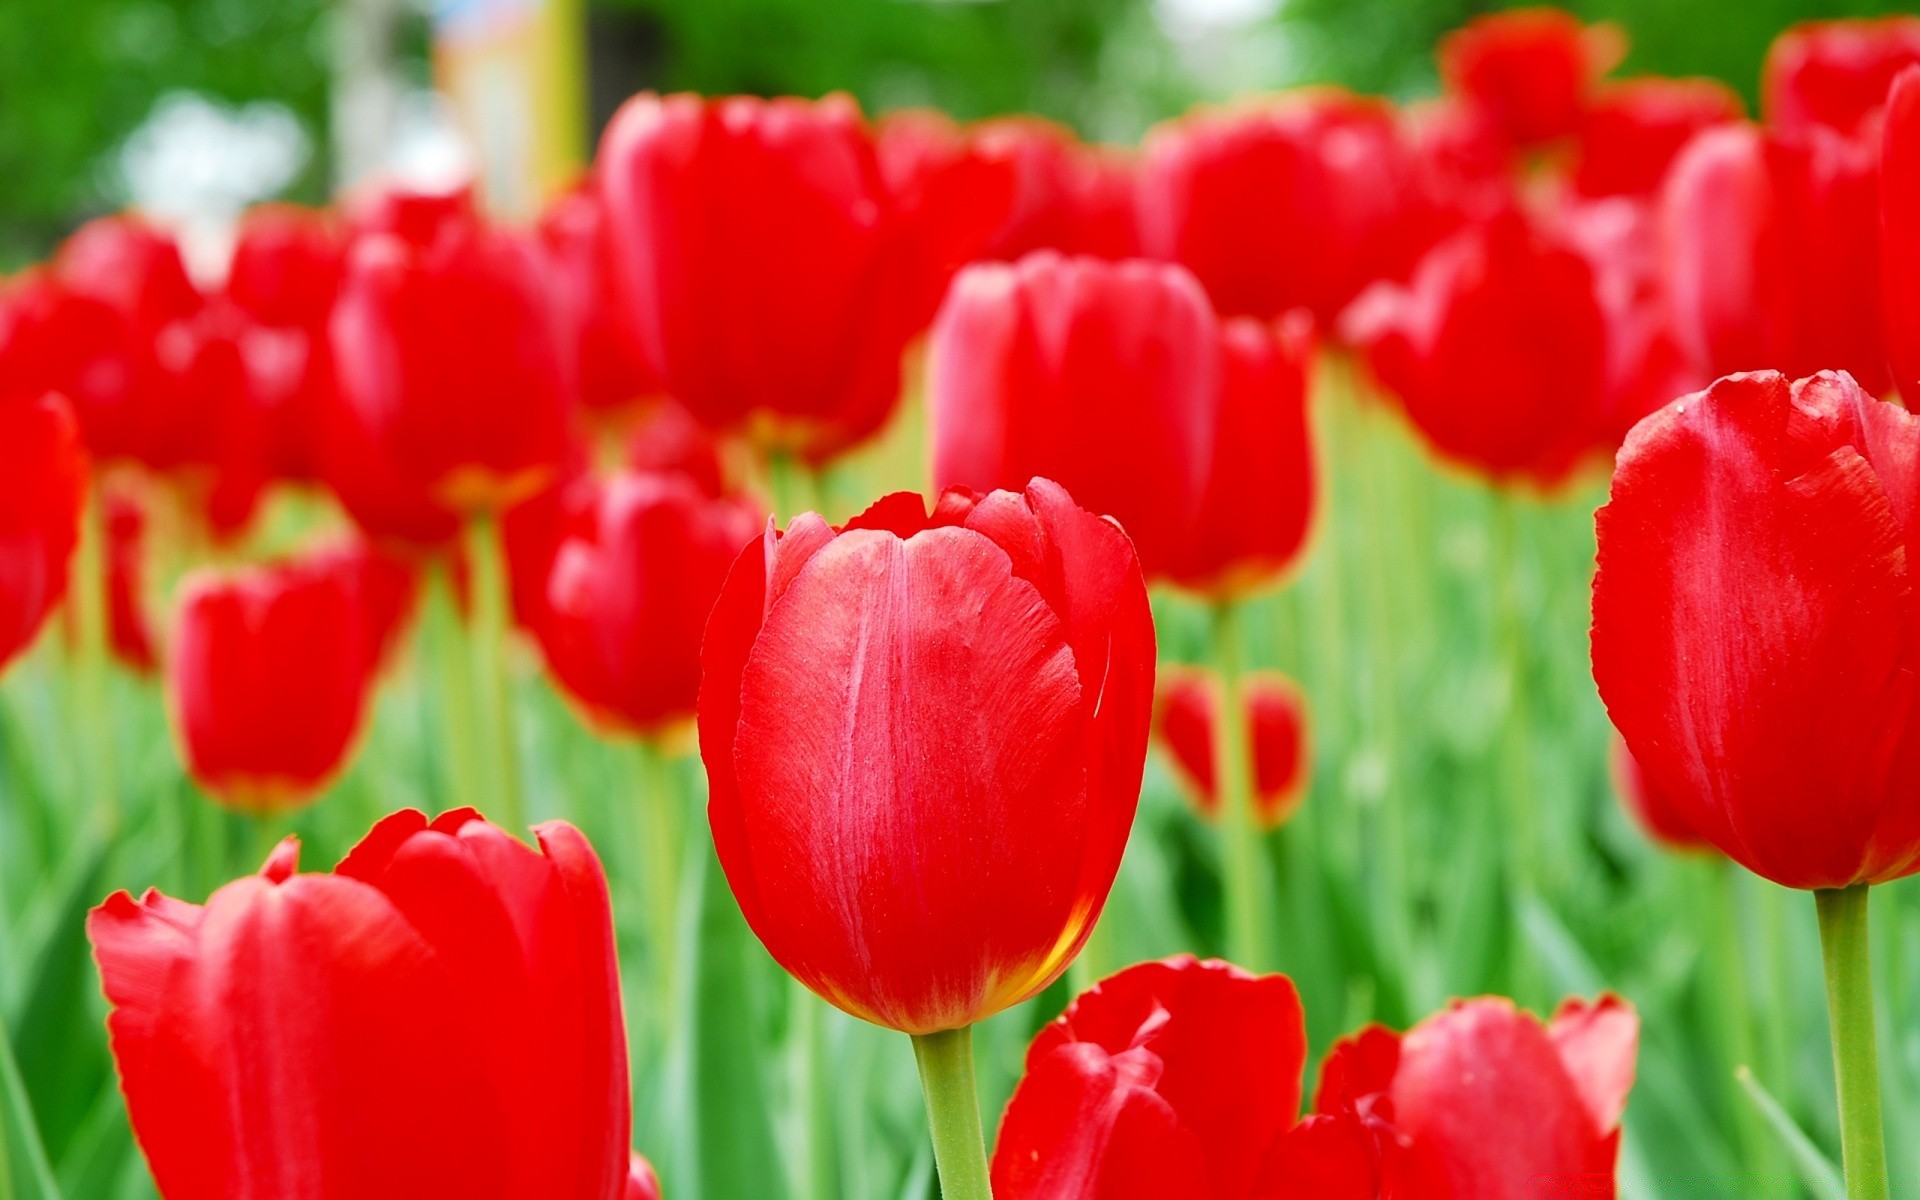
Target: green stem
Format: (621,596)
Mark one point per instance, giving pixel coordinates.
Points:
(453,690)
(953,1112)
(659,805)
(92,667)
(1856,1063)
(1233,775)
(818,1177)
(1733,1009)
(1516,763)
(488,645)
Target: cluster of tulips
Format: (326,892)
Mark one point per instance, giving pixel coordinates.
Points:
(924,730)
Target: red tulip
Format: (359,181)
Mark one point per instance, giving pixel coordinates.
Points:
(1169,1079)
(954,190)
(1277,732)
(133,267)
(285,274)
(1465,169)
(1752,624)
(439,1017)
(45,468)
(1481,1101)
(268,676)
(1068,196)
(388,504)
(1262,489)
(1294,201)
(448,354)
(1496,349)
(575,245)
(54,339)
(1651,808)
(1531,69)
(767,271)
(924,738)
(640,559)
(1835,74)
(641,1182)
(1900,233)
(1104,376)
(668,439)
(1631,131)
(129,631)
(385,588)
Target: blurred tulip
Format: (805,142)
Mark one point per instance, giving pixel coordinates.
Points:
(954,190)
(640,560)
(1103,376)
(1482,1101)
(1262,488)
(1651,809)
(1900,234)
(448,353)
(365,1035)
(1836,74)
(1465,169)
(45,468)
(668,439)
(1531,69)
(133,267)
(1752,623)
(129,631)
(1185,718)
(54,339)
(385,587)
(1631,131)
(1068,196)
(574,242)
(388,504)
(285,274)
(642,1184)
(268,676)
(768,273)
(1168,1079)
(924,738)
(1496,349)
(1293,201)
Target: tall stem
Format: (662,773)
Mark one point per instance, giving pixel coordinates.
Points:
(1233,775)
(92,668)
(452,690)
(1856,1063)
(488,644)
(953,1113)
(1516,784)
(660,831)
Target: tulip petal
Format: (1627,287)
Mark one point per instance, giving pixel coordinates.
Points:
(1087,1125)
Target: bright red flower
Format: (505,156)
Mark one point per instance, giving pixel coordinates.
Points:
(1102,375)
(448,352)
(1753,620)
(1169,1079)
(1295,201)
(1531,69)
(1900,233)
(1068,196)
(385,587)
(668,439)
(285,275)
(45,469)
(924,738)
(767,270)
(1497,349)
(133,267)
(364,1035)
(1651,808)
(129,631)
(268,676)
(53,339)
(642,1184)
(1631,131)
(1187,715)
(1835,74)
(574,242)
(954,190)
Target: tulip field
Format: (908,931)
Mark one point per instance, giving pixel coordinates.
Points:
(1353,649)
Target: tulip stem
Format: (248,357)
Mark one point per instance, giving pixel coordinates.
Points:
(488,645)
(1856,1065)
(953,1112)
(660,829)
(93,665)
(1239,838)
(453,688)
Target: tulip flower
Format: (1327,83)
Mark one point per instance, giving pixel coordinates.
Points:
(1294,201)
(364,1035)
(766,271)
(1835,74)
(129,631)
(1900,233)
(1532,70)
(285,274)
(1186,718)
(54,339)
(45,468)
(924,738)
(1068,196)
(385,588)
(448,353)
(641,1181)
(1104,376)
(1631,131)
(954,190)
(133,267)
(573,241)
(268,675)
(1651,808)
(1496,349)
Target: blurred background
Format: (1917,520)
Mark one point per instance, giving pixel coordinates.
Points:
(192,109)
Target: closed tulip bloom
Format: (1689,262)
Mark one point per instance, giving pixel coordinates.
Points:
(1169,1079)
(1531,69)
(640,561)
(45,468)
(1187,716)
(954,190)
(1774,713)
(1293,201)
(285,274)
(133,266)
(766,270)
(1836,74)
(268,675)
(54,339)
(438,1017)
(1651,808)
(1262,489)
(1104,376)
(924,738)
(1900,233)
(447,350)
(1068,195)
(1496,349)
(1631,131)
(642,1184)
(573,242)
(385,587)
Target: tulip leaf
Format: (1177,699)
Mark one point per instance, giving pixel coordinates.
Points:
(24,1171)
(1816,1169)
(101,1148)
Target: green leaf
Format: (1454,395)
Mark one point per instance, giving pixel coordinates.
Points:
(24,1171)
(1816,1169)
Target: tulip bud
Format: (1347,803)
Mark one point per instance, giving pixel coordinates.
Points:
(924,738)
(1835,74)
(1186,719)
(285,275)
(45,469)
(1068,196)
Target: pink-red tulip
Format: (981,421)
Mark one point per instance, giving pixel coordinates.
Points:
(924,738)
(1532,70)
(1835,74)
(1104,376)
(611,371)
(1631,131)
(1187,716)
(45,469)
(438,1017)
(1900,233)
(1753,618)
